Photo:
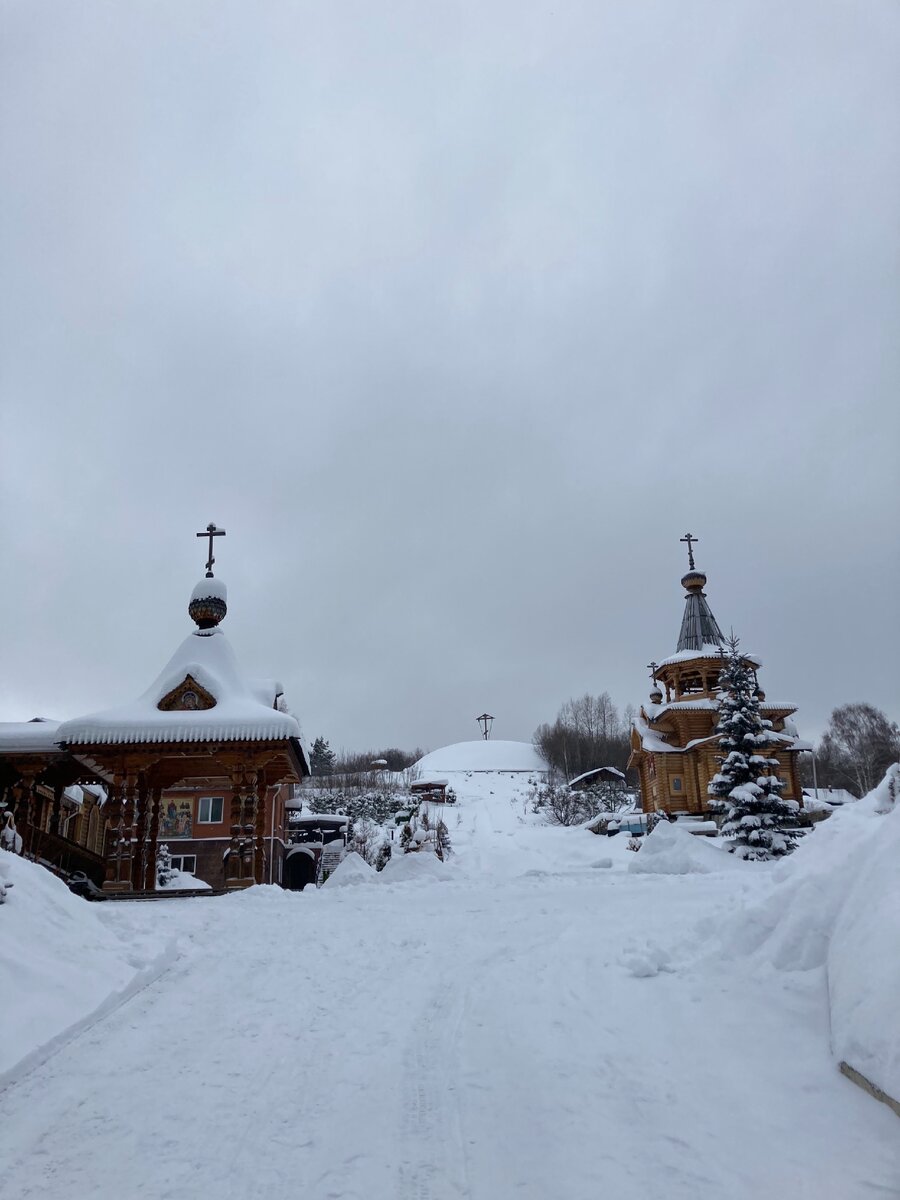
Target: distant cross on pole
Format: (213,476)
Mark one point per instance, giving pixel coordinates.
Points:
(485,721)
(211,532)
(689,538)
(652,667)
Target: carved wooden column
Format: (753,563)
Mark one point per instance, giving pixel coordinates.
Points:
(113,811)
(139,862)
(58,789)
(152,841)
(259,858)
(127,851)
(233,866)
(24,811)
(248,830)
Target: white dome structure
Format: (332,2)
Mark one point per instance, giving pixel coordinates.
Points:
(483,756)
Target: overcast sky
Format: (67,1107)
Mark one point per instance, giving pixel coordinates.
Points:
(456,317)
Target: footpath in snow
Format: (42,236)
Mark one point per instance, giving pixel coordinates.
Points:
(535,1020)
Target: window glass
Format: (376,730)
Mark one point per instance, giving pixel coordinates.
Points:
(676,783)
(210,809)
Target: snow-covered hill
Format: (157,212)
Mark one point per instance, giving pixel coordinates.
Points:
(482,755)
(532,1019)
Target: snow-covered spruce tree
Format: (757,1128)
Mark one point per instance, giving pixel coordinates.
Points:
(164,869)
(746,787)
(321,758)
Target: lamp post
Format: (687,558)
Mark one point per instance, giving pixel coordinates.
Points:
(812,752)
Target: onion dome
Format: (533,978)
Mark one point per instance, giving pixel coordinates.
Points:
(208,604)
(656,696)
(693,580)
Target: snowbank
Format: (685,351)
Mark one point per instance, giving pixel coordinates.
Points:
(406,868)
(482,756)
(351,871)
(58,960)
(864,964)
(836,905)
(671,850)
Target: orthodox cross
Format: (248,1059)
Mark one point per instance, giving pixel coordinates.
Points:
(653,666)
(212,532)
(485,721)
(689,538)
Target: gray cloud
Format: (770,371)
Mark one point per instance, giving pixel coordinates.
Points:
(456,317)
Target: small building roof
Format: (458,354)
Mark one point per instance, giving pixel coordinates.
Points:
(833,797)
(598,772)
(240,712)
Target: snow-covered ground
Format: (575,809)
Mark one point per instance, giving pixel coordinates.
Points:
(532,1020)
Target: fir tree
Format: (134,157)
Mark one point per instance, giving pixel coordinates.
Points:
(321,758)
(746,787)
(164,869)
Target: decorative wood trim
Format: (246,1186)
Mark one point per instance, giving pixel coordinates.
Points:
(189,696)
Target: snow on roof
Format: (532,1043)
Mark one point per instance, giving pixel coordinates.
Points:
(700,704)
(830,796)
(708,651)
(650,739)
(428,783)
(597,771)
(483,756)
(706,703)
(210,589)
(240,713)
(331,820)
(37,734)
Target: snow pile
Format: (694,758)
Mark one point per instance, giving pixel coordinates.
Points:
(411,868)
(182,881)
(482,756)
(58,960)
(864,964)
(351,871)
(671,850)
(886,795)
(836,905)
(646,959)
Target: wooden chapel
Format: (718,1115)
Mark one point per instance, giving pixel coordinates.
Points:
(673,740)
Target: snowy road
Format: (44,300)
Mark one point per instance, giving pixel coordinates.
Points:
(487,1037)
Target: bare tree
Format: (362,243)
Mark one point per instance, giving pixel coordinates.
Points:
(588,732)
(859,744)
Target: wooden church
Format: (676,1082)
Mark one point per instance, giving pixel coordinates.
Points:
(673,740)
(203,761)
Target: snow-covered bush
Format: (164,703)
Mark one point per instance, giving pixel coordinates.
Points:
(561,805)
(887,793)
(368,840)
(376,805)
(746,787)
(165,872)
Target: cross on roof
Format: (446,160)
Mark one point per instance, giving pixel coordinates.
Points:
(211,532)
(653,667)
(689,538)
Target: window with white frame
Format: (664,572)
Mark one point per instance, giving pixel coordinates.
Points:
(210,810)
(185,862)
